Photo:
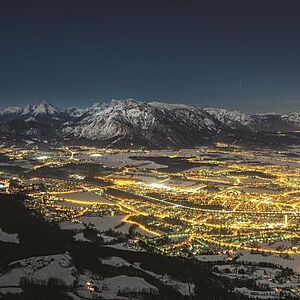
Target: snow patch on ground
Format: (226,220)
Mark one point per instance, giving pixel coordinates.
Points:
(109,288)
(9,237)
(79,237)
(71,225)
(212,258)
(293,261)
(10,290)
(38,269)
(106,223)
(185,289)
(127,247)
(115,262)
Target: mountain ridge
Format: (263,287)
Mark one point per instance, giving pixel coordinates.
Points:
(121,123)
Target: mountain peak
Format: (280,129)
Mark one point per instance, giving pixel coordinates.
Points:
(40,109)
(45,103)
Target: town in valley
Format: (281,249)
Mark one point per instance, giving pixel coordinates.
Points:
(233,208)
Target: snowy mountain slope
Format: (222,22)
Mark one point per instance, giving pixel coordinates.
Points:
(121,123)
(270,122)
(36,121)
(44,108)
(234,119)
(150,124)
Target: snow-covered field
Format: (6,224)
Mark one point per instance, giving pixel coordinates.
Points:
(39,269)
(110,288)
(9,237)
(253,294)
(212,258)
(101,224)
(106,223)
(71,225)
(84,196)
(185,289)
(79,237)
(292,262)
(119,160)
(10,290)
(115,261)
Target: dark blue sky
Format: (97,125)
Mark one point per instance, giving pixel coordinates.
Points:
(233,54)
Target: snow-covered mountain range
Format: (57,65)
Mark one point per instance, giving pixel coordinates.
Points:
(130,122)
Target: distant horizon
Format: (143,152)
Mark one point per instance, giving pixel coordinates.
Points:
(91,103)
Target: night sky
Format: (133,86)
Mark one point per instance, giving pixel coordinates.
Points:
(242,54)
